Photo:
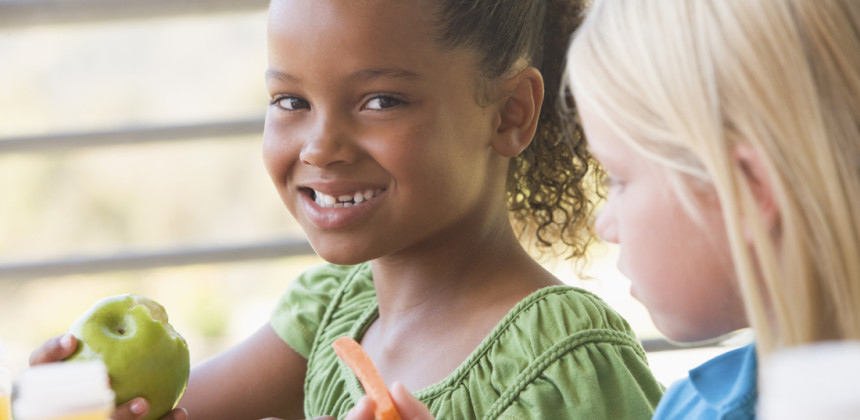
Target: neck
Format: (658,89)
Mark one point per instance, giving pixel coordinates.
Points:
(471,279)
(480,269)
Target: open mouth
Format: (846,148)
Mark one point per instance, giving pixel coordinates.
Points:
(345,200)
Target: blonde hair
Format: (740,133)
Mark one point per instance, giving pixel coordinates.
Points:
(686,82)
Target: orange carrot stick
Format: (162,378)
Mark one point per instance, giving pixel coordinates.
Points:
(354,356)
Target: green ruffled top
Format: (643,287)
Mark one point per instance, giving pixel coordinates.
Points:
(559,353)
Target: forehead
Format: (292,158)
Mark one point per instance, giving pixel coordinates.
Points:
(339,37)
(351,18)
(603,141)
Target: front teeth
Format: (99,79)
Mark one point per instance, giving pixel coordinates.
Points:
(346,200)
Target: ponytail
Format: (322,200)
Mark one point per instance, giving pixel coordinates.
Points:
(548,193)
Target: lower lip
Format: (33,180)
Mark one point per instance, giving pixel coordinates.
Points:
(336,218)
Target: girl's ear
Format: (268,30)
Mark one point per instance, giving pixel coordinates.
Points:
(754,171)
(519,112)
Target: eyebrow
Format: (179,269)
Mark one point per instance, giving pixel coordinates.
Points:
(274,74)
(393,72)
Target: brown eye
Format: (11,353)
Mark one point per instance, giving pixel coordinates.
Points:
(383,102)
(290,103)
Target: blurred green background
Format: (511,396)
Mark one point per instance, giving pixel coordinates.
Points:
(99,201)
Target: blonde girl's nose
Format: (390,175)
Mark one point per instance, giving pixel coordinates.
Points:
(606,227)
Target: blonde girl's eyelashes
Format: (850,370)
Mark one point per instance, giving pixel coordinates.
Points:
(289,103)
(610,181)
(605,180)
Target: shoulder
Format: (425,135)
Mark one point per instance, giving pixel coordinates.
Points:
(307,304)
(560,352)
(680,400)
(563,313)
(721,388)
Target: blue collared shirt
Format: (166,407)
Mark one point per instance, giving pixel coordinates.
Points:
(722,388)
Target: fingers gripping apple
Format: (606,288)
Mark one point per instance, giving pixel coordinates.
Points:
(144,355)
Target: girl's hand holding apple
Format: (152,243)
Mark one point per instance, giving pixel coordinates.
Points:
(57,349)
(147,360)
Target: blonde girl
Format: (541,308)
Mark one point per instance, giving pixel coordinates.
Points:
(731,134)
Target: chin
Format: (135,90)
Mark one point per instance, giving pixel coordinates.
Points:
(342,260)
(690,335)
(339,255)
(681,333)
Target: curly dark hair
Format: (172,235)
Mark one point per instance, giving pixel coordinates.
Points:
(550,191)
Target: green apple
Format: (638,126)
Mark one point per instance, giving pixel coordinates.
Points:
(144,355)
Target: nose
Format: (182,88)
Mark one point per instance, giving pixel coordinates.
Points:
(606,227)
(328,143)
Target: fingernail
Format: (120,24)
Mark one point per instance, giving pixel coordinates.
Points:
(399,390)
(66,341)
(184,415)
(138,406)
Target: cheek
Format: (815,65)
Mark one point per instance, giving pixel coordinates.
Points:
(656,251)
(682,271)
(417,150)
(644,235)
(277,151)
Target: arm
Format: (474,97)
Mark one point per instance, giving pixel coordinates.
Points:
(259,377)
